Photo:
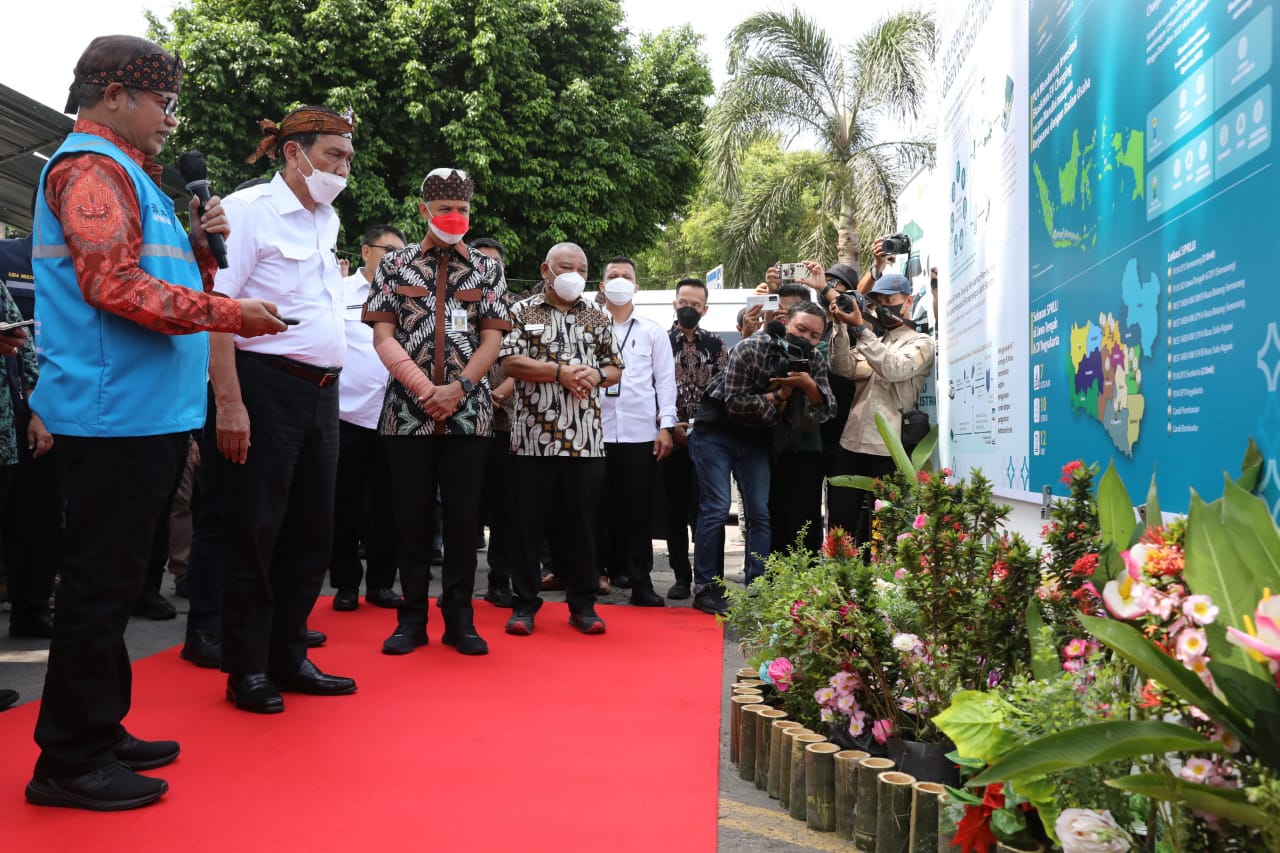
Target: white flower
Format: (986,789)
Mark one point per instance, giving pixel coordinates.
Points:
(882,586)
(1089,831)
(905,642)
(1200,609)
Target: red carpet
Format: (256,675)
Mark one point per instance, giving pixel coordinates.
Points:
(557,741)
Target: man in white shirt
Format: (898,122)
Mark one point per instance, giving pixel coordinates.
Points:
(278,492)
(638,415)
(364,472)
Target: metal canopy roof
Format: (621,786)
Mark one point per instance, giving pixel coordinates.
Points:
(29,133)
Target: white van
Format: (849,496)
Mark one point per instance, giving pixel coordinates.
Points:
(722,311)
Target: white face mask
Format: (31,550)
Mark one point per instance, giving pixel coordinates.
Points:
(619,291)
(323,186)
(569,285)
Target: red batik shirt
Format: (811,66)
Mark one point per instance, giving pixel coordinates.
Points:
(95,201)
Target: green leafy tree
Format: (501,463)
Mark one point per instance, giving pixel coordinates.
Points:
(694,241)
(787,76)
(570,131)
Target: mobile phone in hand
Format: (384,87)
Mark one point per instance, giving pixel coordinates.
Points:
(9,327)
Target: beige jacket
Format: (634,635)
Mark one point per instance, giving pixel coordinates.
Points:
(889,373)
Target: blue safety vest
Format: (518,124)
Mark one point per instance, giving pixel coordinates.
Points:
(102,375)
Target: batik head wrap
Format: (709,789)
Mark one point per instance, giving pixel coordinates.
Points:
(451,184)
(156,72)
(304,120)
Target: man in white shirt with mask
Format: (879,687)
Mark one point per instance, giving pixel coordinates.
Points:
(638,414)
(277,411)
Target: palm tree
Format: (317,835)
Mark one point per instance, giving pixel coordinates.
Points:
(788,77)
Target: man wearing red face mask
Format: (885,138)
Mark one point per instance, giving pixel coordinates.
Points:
(438,317)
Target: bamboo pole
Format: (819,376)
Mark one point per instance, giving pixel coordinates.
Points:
(924,816)
(736,704)
(797,803)
(784,776)
(893,811)
(764,721)
(847,789)
(820,786)
(777,737)
(747,741)
(864,818)
(746,672)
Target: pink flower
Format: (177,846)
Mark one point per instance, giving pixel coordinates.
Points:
(846,704)
(857,723)
(1229,741)
(920,522)
(899,574)
(825,697)
(844,682)
(1191,643)
(1076,648)
(881,729)
(780,670)
(1074,665)
(1262,639)
(1125,597)
(1197,769)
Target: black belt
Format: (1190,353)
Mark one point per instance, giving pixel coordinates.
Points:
(321,376)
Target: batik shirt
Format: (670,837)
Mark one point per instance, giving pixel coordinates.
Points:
(439,314)
(24,363)
(548,420)
(698,361)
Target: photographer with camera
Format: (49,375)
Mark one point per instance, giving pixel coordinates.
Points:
(889,362)
(773,384)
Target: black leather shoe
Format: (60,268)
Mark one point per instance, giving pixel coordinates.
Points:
(384,597)
(202,648)
(108,789)
(711,600)
(309,679)
(346,599)
(679,591)
(36,626)
(254,693)
(622,581)
(587,623)
(646,598)
(404,640)
(467,642)
(145,754)
(499,596)
(152,605)
(8,698)
(316,639)
(520,624)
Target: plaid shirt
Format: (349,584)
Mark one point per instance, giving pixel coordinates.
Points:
(698,362)
(748,377)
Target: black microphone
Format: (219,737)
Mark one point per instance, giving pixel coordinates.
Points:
(776,330)
(192,166)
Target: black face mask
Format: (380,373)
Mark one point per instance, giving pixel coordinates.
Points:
(799,344)
(688,317)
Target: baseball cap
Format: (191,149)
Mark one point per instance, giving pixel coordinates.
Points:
(845,273)
(892,283)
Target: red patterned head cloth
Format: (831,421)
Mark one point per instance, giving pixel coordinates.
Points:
(157,72)
(303,120)
(451,184)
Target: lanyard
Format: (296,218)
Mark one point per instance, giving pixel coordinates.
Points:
(631,324)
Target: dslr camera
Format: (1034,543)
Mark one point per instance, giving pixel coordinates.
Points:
(896,244)
(791,360)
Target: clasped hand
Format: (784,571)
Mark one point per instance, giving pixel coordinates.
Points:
(579,379)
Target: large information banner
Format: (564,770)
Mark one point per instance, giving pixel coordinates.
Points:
(1153,240)
(983,376)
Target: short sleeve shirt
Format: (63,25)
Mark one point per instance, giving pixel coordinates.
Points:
(548,420)
(439,314)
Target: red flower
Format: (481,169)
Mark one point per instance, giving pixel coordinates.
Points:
(973,832)
(1085,566)
(837,544)
(1069,470)
(922,476)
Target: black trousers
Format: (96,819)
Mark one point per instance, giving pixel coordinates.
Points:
(680,490)
(556,492)
(420,464)
(630,473)
(204,566)
(795,497)
(34,520)
(119,489)
(848,508)
(159,557)
(360,512)
(277,518)
(497,506)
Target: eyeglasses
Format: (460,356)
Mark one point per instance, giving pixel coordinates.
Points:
(170,105)
(382,247)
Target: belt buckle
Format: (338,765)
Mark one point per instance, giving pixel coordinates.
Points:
(328,379)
